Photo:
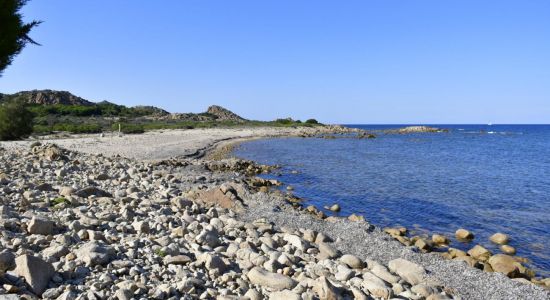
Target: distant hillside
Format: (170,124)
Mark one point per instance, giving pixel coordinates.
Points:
(48,97)
(61,111)
(62,103)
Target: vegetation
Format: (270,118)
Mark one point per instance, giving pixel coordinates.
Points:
(104,109)
(59,200)
(312,121)
(15,121)
(14,34)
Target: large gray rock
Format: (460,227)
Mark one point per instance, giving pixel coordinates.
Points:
(95,253)
(376,286)
(39,225)
(37,273)
(352,261)
(409,271)
(284,295)
(326,290)
(275,281)
(7,261)
(327,251)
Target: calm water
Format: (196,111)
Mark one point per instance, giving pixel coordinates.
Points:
(497,181)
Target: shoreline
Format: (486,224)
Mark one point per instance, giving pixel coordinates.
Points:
(454,277)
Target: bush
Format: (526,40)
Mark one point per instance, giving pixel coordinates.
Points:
(15,121)
(129,128)
(312,121)
(284,121)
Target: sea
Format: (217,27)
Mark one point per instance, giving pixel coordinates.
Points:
(484,178)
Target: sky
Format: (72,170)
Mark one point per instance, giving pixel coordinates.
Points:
(351,62)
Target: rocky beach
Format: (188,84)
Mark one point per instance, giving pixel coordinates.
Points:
(163,215)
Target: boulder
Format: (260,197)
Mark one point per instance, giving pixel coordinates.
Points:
(275,281)
(352,261)
(7,261)
(284,295)
(383,273)
(468,259)
(327,251)
(480,253)
(439,239)
(500,238)
(409,271)
(507,249)
(37,272)
(325,289)
(296,241)
(505,264)
(95,253)
(376,286)
(39,225)
(335,207)
(463,234)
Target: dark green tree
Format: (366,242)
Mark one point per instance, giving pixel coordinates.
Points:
(15,121)
(14,33)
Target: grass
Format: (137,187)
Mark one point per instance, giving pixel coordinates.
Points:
(59,200)
(160,252)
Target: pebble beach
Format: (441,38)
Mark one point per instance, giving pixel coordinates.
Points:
(163,215)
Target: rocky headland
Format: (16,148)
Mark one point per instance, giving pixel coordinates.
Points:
(152,216)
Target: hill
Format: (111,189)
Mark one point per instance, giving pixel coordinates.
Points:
(56,111)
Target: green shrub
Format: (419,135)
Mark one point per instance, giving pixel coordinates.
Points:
(129,128)
(284,121)
(15,121)
(59,200)
(312,121)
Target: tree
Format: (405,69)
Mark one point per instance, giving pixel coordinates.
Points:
(13,31)
(15,121)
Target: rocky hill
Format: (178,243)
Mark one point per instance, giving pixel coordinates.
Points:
(48,97)
(223,114)
(39,98)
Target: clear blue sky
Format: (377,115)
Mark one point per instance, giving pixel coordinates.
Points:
(338,61)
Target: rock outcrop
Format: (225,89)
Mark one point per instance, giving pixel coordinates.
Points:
(223,114)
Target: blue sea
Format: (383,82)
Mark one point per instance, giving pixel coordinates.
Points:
(484,178)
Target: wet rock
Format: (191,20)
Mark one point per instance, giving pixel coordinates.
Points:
(335,207)
(480,253)
(500,238)
(463,234)
(37,273)
(409,271)
(505,264)
(439,239)
(275,281)
(507,249)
